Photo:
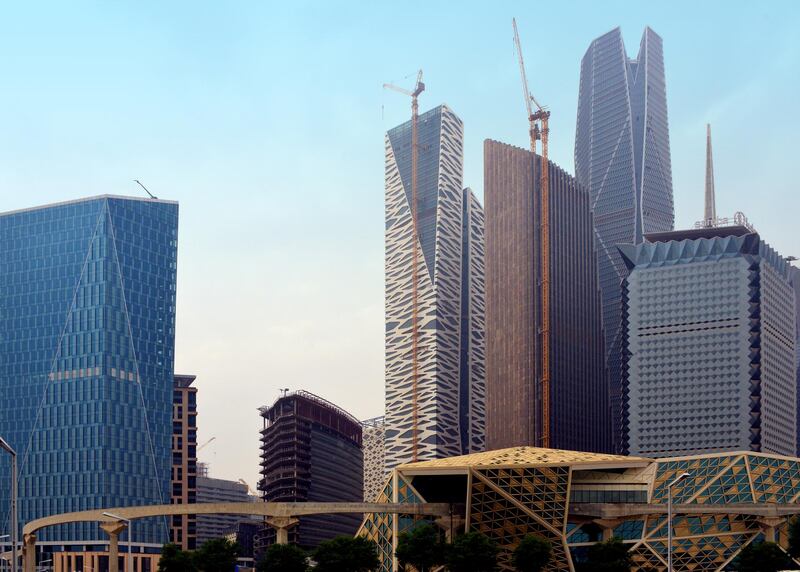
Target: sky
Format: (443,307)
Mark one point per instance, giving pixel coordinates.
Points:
(266,122)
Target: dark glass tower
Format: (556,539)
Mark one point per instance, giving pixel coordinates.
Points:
(579,413)
(87,335)
(622,157)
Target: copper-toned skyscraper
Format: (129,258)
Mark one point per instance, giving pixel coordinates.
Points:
(183,528)
(579,411)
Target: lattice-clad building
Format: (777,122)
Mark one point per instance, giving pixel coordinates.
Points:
(576,499)
(622,156)
(433,406)
(711,344)
(373,443)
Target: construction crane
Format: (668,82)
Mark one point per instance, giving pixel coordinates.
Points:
(250,490)
(205,444)
(539,130)
(152,196)
(419,87)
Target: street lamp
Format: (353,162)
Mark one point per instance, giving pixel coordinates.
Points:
(14,524)
(129,565)
(669,517)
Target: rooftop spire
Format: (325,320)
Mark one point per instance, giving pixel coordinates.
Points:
(710,217)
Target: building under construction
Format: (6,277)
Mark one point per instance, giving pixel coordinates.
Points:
(577,401)
(310,451)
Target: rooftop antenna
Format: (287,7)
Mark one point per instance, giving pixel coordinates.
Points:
(284,391)
(711,208)
(152,196)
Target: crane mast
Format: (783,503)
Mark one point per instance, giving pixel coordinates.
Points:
(415,246)
(539,130)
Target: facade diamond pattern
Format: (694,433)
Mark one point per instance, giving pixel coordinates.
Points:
(710,340)
(514,492)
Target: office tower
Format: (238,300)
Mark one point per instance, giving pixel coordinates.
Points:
(711,340)
(374,439)
(578,407)
(795,276)
(209,490)
(427,408)
(87,335)
(184,459)
(472,369)
(622,157)
(310,451)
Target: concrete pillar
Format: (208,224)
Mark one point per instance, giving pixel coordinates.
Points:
(29,553)
(452,526)
(281,524)
(607,526)
(113,529)
(768,526)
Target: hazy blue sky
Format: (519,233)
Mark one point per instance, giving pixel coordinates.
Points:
(266,122)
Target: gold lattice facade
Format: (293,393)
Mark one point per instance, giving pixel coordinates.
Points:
(576,499)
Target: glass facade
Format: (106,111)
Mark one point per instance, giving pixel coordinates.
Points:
(87,329)
(622,156)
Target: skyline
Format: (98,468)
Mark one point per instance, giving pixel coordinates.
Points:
(296,214)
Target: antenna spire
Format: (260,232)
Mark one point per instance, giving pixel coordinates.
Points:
(711,207)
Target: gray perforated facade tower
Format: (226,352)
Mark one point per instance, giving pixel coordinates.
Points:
(579,412)
(622,157)
(711,340)
(434,408)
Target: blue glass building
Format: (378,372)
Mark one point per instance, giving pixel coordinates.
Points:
(622,157)
(87,337)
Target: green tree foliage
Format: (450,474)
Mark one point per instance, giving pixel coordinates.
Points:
(472,552)
(794,537)
(283,558)
(173,559)
(218,555)
(532,554)
(609,556)
(422,548)
(763,557)
(346,554)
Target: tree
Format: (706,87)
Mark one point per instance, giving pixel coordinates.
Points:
(283,558)
(218,555)
(763,557)
(472,552)
(794,537)
(609,556)
(173,559)
(422,548)
(346,554)
(532,554)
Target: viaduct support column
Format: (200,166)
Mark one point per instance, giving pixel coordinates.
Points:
(28,553)
(607,526)
(113,529)
(281,524)
(768,526)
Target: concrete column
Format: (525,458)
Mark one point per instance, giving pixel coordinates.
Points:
(607,526)
(451,526)
(29,553)
(281,524)
(768,526)
(113,529)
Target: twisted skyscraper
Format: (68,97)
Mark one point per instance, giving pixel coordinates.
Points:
(622,156)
